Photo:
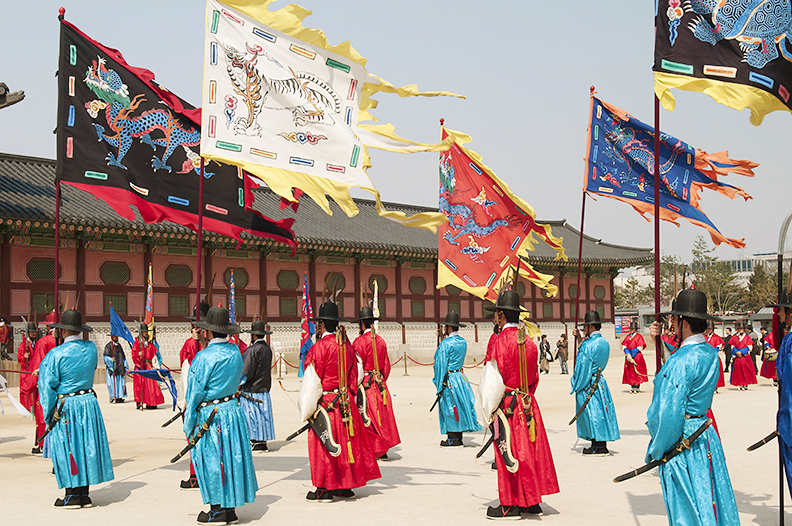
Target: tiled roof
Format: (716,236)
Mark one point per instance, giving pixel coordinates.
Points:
(27,192)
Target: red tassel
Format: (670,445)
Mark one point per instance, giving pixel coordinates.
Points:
(222,473)
(74,469)
(456,414)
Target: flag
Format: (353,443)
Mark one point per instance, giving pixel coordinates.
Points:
(620,165)
(232,299)
(307,328)
(128,141)
(488,226)
(375,305)
(734,51)
(286,106)
(119,328)
(148,317)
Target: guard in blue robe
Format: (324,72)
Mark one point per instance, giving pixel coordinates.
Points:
(598,421)
(456,406)
(695,483)
(77,440)
(784,372)
(222,458)
(115,370)
(254,390)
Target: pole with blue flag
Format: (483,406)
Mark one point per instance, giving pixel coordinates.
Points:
(307,328)
(119,328)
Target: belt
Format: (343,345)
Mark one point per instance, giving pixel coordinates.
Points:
(76,393)
(455,370)
(217,401)
(687,416)
(330,391)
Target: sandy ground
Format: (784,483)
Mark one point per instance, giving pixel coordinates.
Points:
(421,482)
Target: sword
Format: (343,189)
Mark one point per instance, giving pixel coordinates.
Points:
(173,419)
(588,398)
(440,394)
(56,416)
(682,445)
(14,371)
(307,426)
(194,440)
(764,441)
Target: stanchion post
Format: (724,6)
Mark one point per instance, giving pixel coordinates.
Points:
(405,362)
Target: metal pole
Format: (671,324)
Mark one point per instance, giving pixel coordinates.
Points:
(658,342)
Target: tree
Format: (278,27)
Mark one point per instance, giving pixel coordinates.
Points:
(674,276)
(762,289)
(716,279)
(632,295)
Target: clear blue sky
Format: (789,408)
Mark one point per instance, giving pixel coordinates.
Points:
(525,68)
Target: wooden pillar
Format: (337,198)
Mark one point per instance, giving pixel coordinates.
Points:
(312,284)
(613,272)
(357,287)
(588,291)
(534,291)
(399,314)
(208,272)
(5,276)
(561,293)
(80,275)
(262,287)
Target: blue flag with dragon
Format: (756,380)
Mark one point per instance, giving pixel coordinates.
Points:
(127,140)
(620,165)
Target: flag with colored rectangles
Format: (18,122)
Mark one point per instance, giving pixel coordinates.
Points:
(307,328)
(488,227)
(127,140)
(232,299)
(735,51)
(620,165)
(285,105)
(148,316)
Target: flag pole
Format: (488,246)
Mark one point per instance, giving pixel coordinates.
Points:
(658,342)
(57,249)
(200,242)
(580,266)
(778,336)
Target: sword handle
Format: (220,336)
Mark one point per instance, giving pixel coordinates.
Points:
(298,432)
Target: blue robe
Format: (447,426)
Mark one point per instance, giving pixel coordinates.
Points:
(80,433)
(116,383)
(450,356)
(598,420)
(222,459)
(784,417)
(696,480)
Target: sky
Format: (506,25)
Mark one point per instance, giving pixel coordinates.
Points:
(525,69)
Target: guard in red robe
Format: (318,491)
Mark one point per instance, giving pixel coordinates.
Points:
(520,491)
(743,373)
(335,476)
(28,392)
(634,364)
(769,359)
(717,342)
(147,391)
(44,345)
(379,406)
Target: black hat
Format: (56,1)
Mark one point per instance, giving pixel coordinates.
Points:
(591,318)
(142,327)
(32,326)
(507,300)
(452,319)
(71,320)
(633,324)
(783,301)
(328,311)
(692,303)
(366,314)
(259,328)
(218,320)
(710,324)
(204,311)
(739,324)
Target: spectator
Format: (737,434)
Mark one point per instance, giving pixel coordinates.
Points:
(562,353)
(544,355)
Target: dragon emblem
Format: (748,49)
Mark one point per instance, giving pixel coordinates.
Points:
(474,250)
(483,202)
(761,27)
(125,125)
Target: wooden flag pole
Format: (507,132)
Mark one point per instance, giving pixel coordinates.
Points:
(658,342)
(200,242)
(579,270)
(57,249)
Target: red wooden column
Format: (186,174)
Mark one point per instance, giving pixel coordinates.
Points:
(262,287)
(5,276)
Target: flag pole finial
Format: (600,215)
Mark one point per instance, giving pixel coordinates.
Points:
(442,120)
(592,89)
(61,13)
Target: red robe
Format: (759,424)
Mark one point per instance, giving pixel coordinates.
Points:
(189,350)
(147,391)
(717,342)
(742,369)
(536,475)
(44,345)
(330,472)
(634,374)
(28,391)
(384,434)
(768,369)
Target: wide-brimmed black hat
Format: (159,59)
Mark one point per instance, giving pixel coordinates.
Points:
(783,301)
(204,311)
(739,324)
(507,300)
(692,303)
(710,324)
(142,327)
(218,320)
(633,324)
(366,314)
(71,320)
(328,311)
(259,328)
(32,326)
(591,317)
(452,319)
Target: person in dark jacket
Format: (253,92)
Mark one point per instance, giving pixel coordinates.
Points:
(254,390)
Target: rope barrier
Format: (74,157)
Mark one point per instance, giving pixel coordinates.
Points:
(290,365)
(397,361)
(419,363)
(275,363)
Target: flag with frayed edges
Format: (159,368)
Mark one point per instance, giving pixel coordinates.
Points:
(736,52)
(119,328)
(128,141)
(282,103)
(488,226)
(148,317)
(307,327)
(620,165)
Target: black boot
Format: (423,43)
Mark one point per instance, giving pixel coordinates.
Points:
(190,483)
(503,512)
(216,515)
(72,499)
(231,516)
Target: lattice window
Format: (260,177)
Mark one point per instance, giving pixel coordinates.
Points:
(42,303)
(239,304)
(40,269)
(453,306)
(382,283)
(572,291)
(240,278)
(288,306)
(178,275)
(179,305)
(547,311)
(520,289)
(335,281)
(601,310)
(114,273)
(119,303)
(599,292)
(417,285)
(452,290)
(288,280)
(417,309)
